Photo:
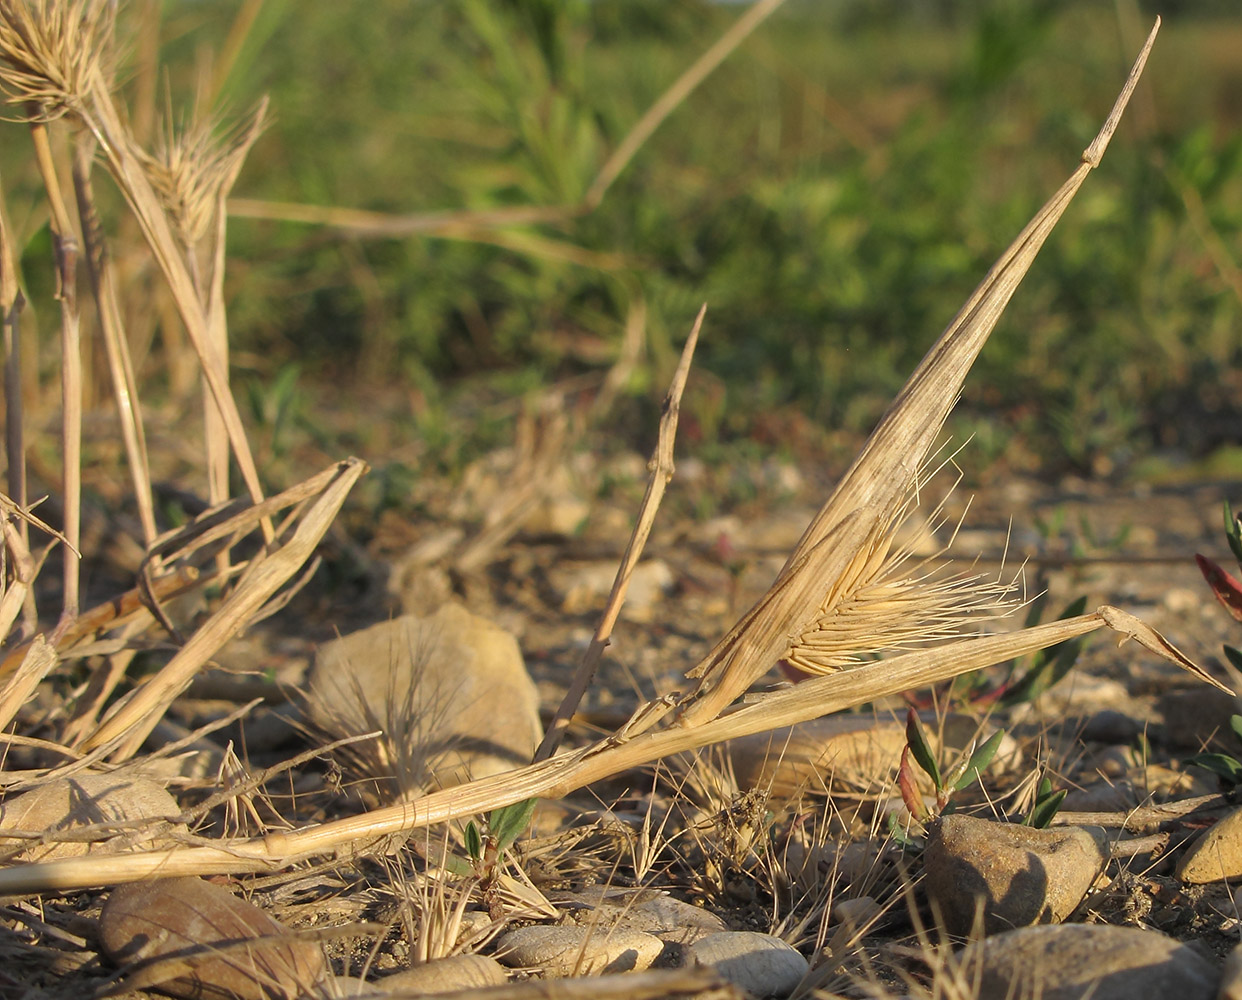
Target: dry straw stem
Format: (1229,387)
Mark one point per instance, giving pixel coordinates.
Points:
(662,469)
(54,58)
(65,244)
(565,773)
(480,226)
(116,343)
(135,716)
(854,523)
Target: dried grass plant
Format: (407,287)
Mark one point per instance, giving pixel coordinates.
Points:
(844,565)
(58,74)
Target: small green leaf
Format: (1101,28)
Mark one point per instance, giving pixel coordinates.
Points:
(508,823)
(1226,767)
(1048,665)
(917,742)
(954,774)
(1235,722)
(1045,808)
(1233,531)
(979,760)
(474,841)
(899,835)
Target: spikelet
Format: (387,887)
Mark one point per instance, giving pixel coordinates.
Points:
(887,599)
(54,53)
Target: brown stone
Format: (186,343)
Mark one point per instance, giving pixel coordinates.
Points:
(1016,875)
(211,945)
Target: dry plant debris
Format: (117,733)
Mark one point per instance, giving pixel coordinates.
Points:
(803,862)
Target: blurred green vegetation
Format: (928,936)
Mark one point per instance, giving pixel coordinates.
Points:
(833,191)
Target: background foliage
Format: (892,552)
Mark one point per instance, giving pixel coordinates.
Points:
(834,191)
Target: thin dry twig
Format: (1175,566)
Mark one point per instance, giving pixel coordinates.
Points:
(662,468)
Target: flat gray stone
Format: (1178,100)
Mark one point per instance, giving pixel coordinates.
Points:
(87,799)
(761,964)
(457,972)
(1081,961)
(1018,875)
(578,951)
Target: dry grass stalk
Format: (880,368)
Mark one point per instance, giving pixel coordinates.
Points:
(38,662)
(65,246)
(858,516)
(116,343)
(565,773)
(11,304)
(662,468)
(54,62)
(192,170)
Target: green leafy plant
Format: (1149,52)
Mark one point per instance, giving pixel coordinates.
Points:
(964,772)
(1227,588)
(1226,767)
(1047,803)
(504,826)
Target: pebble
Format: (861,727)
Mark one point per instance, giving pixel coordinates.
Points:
(1217,854)
(856,912)
(1102,796)
(1110,726)
(1020,874)
(144,920)
(1231,976)
(1194,716)
(1096,961)
(578,951)
(671,920)
(586,588)
(457,972)
(761,964)
(84,800)
(449,689)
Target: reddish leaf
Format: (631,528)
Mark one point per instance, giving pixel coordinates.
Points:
(909,789)
(1227,590)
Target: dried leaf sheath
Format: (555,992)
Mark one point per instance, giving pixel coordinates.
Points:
(870,496)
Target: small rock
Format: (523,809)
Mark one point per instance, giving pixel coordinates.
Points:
(457,972)
(1021,875)
(1193,717)
(1217,854)
(85,800)
(1102,796)
(1081,961)
(855,912)
(1231,976)
(449,690)
(578,951)
(661,915)
(761,964)
(585,588)
(161,918)
(1110,726)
